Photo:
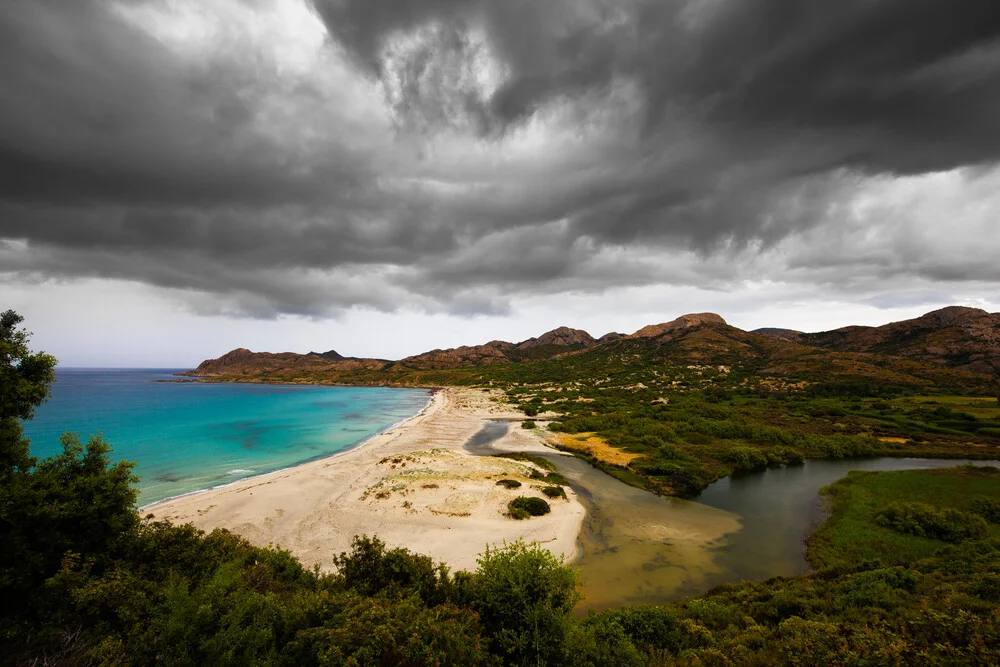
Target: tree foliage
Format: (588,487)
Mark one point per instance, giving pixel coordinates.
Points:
(24,385)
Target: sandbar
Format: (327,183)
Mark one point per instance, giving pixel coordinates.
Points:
(413,486)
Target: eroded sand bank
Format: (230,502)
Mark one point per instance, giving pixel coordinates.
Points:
(413,486)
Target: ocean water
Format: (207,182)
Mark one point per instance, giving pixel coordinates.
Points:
(187,436)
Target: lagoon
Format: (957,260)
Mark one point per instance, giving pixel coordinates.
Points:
(640,548)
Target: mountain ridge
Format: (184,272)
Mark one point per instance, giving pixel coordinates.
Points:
(965,340)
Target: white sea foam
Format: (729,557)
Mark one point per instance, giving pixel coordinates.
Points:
(238,471)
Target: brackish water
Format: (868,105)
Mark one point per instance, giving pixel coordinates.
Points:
(188,436)
(780,507)
(641,548)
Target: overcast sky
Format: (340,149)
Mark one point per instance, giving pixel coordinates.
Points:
(182,177)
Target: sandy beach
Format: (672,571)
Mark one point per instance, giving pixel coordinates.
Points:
(413,486)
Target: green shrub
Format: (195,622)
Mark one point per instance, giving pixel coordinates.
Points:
(524,597)
(784,456)
(556,478)
(525,507)
(987,508)
(371,569)
(744,459)
(528,424)
(554,492)
(509,483)
(922,520)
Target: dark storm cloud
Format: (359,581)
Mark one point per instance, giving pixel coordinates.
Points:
(911,83)
(709,126)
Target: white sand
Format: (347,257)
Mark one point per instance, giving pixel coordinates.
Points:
(413,486)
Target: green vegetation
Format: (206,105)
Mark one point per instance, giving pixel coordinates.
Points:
(855,531)
(509,483)
(927,521)
(554,491)
(551,476)
(525,507)
(539,461)
(693,423)
(529,424)
(901,577)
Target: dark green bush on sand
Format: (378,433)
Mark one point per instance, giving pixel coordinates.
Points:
(509,483)
(554,492)
(525,507)
(528,424)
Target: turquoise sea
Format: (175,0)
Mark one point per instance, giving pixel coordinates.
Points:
(187,436)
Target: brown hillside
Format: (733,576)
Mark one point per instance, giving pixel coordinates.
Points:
(682,322)
(955,337)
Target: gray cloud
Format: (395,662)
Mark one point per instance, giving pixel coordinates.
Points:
(450,155)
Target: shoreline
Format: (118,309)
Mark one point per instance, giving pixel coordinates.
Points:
(413,485)
(322,457)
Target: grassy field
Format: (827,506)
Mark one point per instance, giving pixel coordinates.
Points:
(851,534)
(980,407)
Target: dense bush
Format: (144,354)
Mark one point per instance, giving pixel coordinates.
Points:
(924,520)
(524,597)
(554,491)
(528,424)
(371,569)
(525,507)
(509,483)
(987,508)
(744,459)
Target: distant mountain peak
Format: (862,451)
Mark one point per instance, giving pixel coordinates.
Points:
(329,354)
(682,322)
(563,336)
(951,315)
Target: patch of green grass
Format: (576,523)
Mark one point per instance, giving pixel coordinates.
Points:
(539,461)
(851,534)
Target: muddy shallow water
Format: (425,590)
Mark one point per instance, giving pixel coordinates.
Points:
(638,547)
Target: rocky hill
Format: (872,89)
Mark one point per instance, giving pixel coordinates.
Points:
(550,344)
(242,363)
(955,337)
(563,336)
(682,322)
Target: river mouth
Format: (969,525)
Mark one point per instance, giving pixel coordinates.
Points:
(636,547)
(640,548)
